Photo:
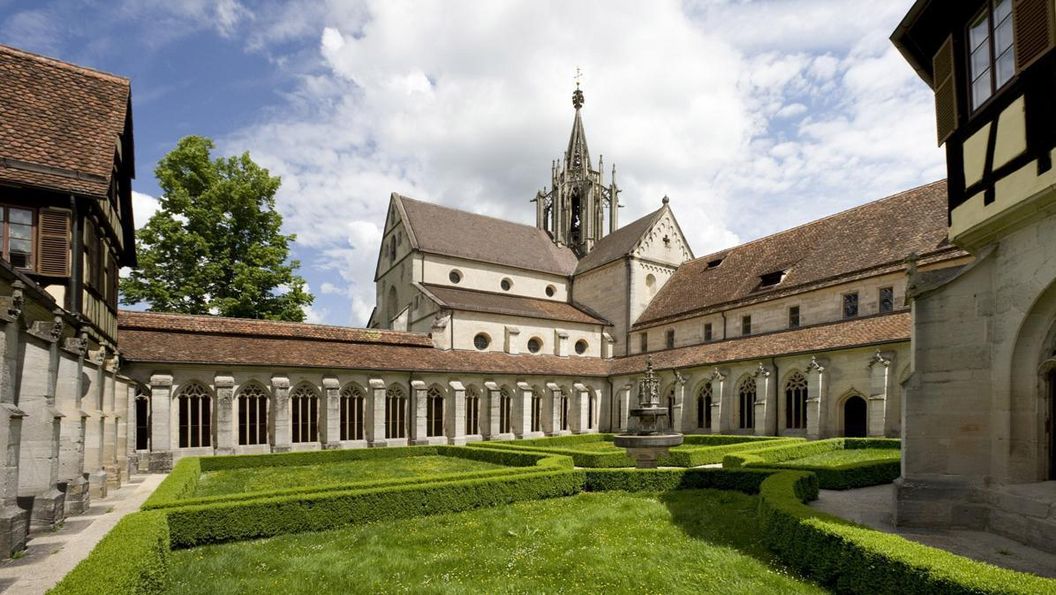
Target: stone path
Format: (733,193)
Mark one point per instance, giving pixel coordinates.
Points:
(874,508)
(50,555)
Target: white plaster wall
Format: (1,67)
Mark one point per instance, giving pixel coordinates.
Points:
(483,276)
(466,325)
(604,290)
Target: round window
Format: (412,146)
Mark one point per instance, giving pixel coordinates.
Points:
(550,290)
(535,344)
(506,284)
(481,341)
(581,346)
(455,276)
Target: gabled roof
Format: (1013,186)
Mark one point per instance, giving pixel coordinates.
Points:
(619,243)
(866,238)
(59,123)
(451,232)
(511,305)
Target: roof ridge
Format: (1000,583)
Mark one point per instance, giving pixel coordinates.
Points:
(817,221)
(266,321)
(63,64)
(491,217)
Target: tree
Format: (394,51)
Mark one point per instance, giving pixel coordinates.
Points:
(215,245)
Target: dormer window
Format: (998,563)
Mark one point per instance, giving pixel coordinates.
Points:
(991,60)
(770,280)
(714,263)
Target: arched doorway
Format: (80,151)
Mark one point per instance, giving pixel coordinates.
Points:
(854,417)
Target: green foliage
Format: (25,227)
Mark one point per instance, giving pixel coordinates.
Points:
(854,559)
(254,518)
(582,457)
(699,541)
(216,245)
(697,453)
(132,558)
(664,480)
(841,472)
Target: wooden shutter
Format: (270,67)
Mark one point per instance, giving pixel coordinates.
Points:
(945,91)
(54,253)
(1034,30)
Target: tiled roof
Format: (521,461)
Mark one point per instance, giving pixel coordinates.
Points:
(617,244)
(512,305)
(451,232)
(866,238)
(887,328)
(246,327)
(59,123)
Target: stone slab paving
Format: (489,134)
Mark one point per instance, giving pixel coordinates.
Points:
(874,507)
(50,555)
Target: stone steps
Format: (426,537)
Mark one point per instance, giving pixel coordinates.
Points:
(1026,513)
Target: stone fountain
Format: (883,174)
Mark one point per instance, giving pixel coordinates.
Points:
(649,432)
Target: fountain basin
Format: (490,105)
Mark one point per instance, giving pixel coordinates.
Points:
(646,449)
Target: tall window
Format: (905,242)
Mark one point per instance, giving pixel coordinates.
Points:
(991,57)
(252,415)
(643,342)
(196,428)
(670,339)
(16,235)
(472,410)
(746,325)
(563,404)
(850,304)
(704,407)
(537,412)
(395,412)
(304,407)
(590,410)
(671,407)
(793,317)
(434,412)
(796,402)
(887,300)
(746,404)
(707,331)
(142,419)
(351,420)
(505,407)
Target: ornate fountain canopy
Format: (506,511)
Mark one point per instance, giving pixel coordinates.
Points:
(649,387)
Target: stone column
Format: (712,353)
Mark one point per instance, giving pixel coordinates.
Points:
(816,388)
(720,422)
(677,412)
(455,412)
(14,522)
(113,419)
(580,408)
(376,413)
(72,426)
(879,387)
(522,405)
(494,395)
(765,399)
(279,413)
(95,426)
(161,439)
(225,414)
(624,396)
(420,411)
(331,422)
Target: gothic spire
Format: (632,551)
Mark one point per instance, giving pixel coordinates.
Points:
(577,158)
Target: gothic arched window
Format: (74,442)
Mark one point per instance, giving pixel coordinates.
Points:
(196,408)
(252,415)
(304,409)
(352,403)
(537,411)
(505,409)
(704,407)
(395,412)
(796,402)
(472,410)
(142,418)
(434,412)
(746,404)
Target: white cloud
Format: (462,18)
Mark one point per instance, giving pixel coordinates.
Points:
(143,208)
(752,116)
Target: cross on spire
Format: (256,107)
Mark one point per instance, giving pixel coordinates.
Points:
(577,95)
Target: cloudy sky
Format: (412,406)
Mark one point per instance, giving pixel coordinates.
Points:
(753,116)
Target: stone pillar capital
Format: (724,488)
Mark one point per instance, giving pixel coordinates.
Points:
(279,381)
(817,364)
(882,358)
(762,371)
(376,383)
(331,383)
(417,385)
(161,380)
(223,381)
(579,386)
(524,386)
(491,385)
(456,385)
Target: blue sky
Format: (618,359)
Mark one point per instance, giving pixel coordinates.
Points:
(753,116)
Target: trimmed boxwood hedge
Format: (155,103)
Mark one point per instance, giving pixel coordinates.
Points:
(265,517)
(581,458)
(853,559)
(830,477)
(132,558)
(662,480)
(179,487)
(695,454)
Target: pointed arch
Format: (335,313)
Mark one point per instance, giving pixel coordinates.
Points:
(704,400)
(395,412)
(854,414)
(505,410)
(304,413)
(352,406)
(252,411)
(473,394)
(796,401)
(195,412)
(434,411)
(746,393)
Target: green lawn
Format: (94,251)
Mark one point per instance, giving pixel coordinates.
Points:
(842,457)
(694,541)
(255,479)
